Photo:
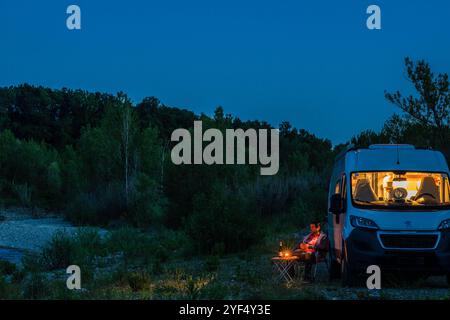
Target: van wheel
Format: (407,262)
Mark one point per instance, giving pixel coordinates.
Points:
(334,268)
(347,275)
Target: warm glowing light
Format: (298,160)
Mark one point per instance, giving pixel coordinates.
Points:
(384,183)
(386,179)
(400,184)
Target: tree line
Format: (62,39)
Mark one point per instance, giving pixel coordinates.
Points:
(99,159)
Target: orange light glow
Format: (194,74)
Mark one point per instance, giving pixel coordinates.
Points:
(377,188)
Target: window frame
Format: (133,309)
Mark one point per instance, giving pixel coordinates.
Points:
(400,208)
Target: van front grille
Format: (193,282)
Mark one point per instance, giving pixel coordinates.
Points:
(409,241)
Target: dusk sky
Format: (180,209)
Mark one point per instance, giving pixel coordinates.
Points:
(313,63)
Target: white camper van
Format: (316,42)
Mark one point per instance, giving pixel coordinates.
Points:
(389,206)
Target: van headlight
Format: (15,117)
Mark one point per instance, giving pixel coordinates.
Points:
(359,222)
(445,225)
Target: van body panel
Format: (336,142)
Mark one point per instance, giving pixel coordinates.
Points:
(367,250)
(392,159)
(403,238)
(403,220)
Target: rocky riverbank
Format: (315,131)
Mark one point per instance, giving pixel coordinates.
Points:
(19,230)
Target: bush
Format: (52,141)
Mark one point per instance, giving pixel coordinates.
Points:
(175,243)
(80,249)
(36,286)
(33,262)
(221,223)
(138,280)
(148,204)
(7,268)
(18,276)
(7,290)
(128,241)
(212,263)
(59,252)
(98,208)
(89,242)
(151,248)
(215,291)
(274,196)
(23,193)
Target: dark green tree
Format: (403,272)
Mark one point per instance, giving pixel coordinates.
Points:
(428,110)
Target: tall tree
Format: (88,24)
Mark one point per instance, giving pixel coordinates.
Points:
(430,107)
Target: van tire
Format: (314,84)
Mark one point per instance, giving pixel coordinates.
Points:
(347,273)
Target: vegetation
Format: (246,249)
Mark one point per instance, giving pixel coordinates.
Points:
(100,160)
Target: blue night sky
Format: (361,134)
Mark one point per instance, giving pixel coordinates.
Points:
(313,63)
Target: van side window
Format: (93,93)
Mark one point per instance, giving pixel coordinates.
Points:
(340,187)
(337,188)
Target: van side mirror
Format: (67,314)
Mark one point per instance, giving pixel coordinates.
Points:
(336,204)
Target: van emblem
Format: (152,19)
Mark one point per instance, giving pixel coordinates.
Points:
(408,223)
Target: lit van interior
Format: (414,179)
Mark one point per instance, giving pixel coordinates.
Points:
(400,189)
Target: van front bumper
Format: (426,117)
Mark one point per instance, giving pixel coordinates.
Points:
(364,249)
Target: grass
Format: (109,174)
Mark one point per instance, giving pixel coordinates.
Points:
(131,264)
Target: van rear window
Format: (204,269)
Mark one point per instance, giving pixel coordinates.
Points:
(400,189)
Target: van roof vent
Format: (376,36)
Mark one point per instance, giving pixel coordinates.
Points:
(391,146)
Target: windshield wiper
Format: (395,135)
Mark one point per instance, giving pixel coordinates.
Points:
(364,201)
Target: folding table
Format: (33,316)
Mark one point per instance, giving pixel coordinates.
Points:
(283,266)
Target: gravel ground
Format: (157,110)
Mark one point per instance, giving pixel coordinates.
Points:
(19,231)
(432,288)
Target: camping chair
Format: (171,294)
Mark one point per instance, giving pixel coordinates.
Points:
(320,256)
(309,259)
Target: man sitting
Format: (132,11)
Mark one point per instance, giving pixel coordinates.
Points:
(311,248)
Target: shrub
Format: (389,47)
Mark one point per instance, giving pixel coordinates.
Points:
(7,268)
(80,249)
(214,291)
(33,262)
(174,243)
(272,196)
(152,248)
(83,210)
(221,224)
(148,204)
(7,290)
(23,193)
(36,286)
(18,276)
(128,241)
(89,242)
(59,252)
(97,208)
(211,263)
(138,280)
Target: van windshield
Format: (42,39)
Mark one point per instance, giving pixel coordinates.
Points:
(411,190)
